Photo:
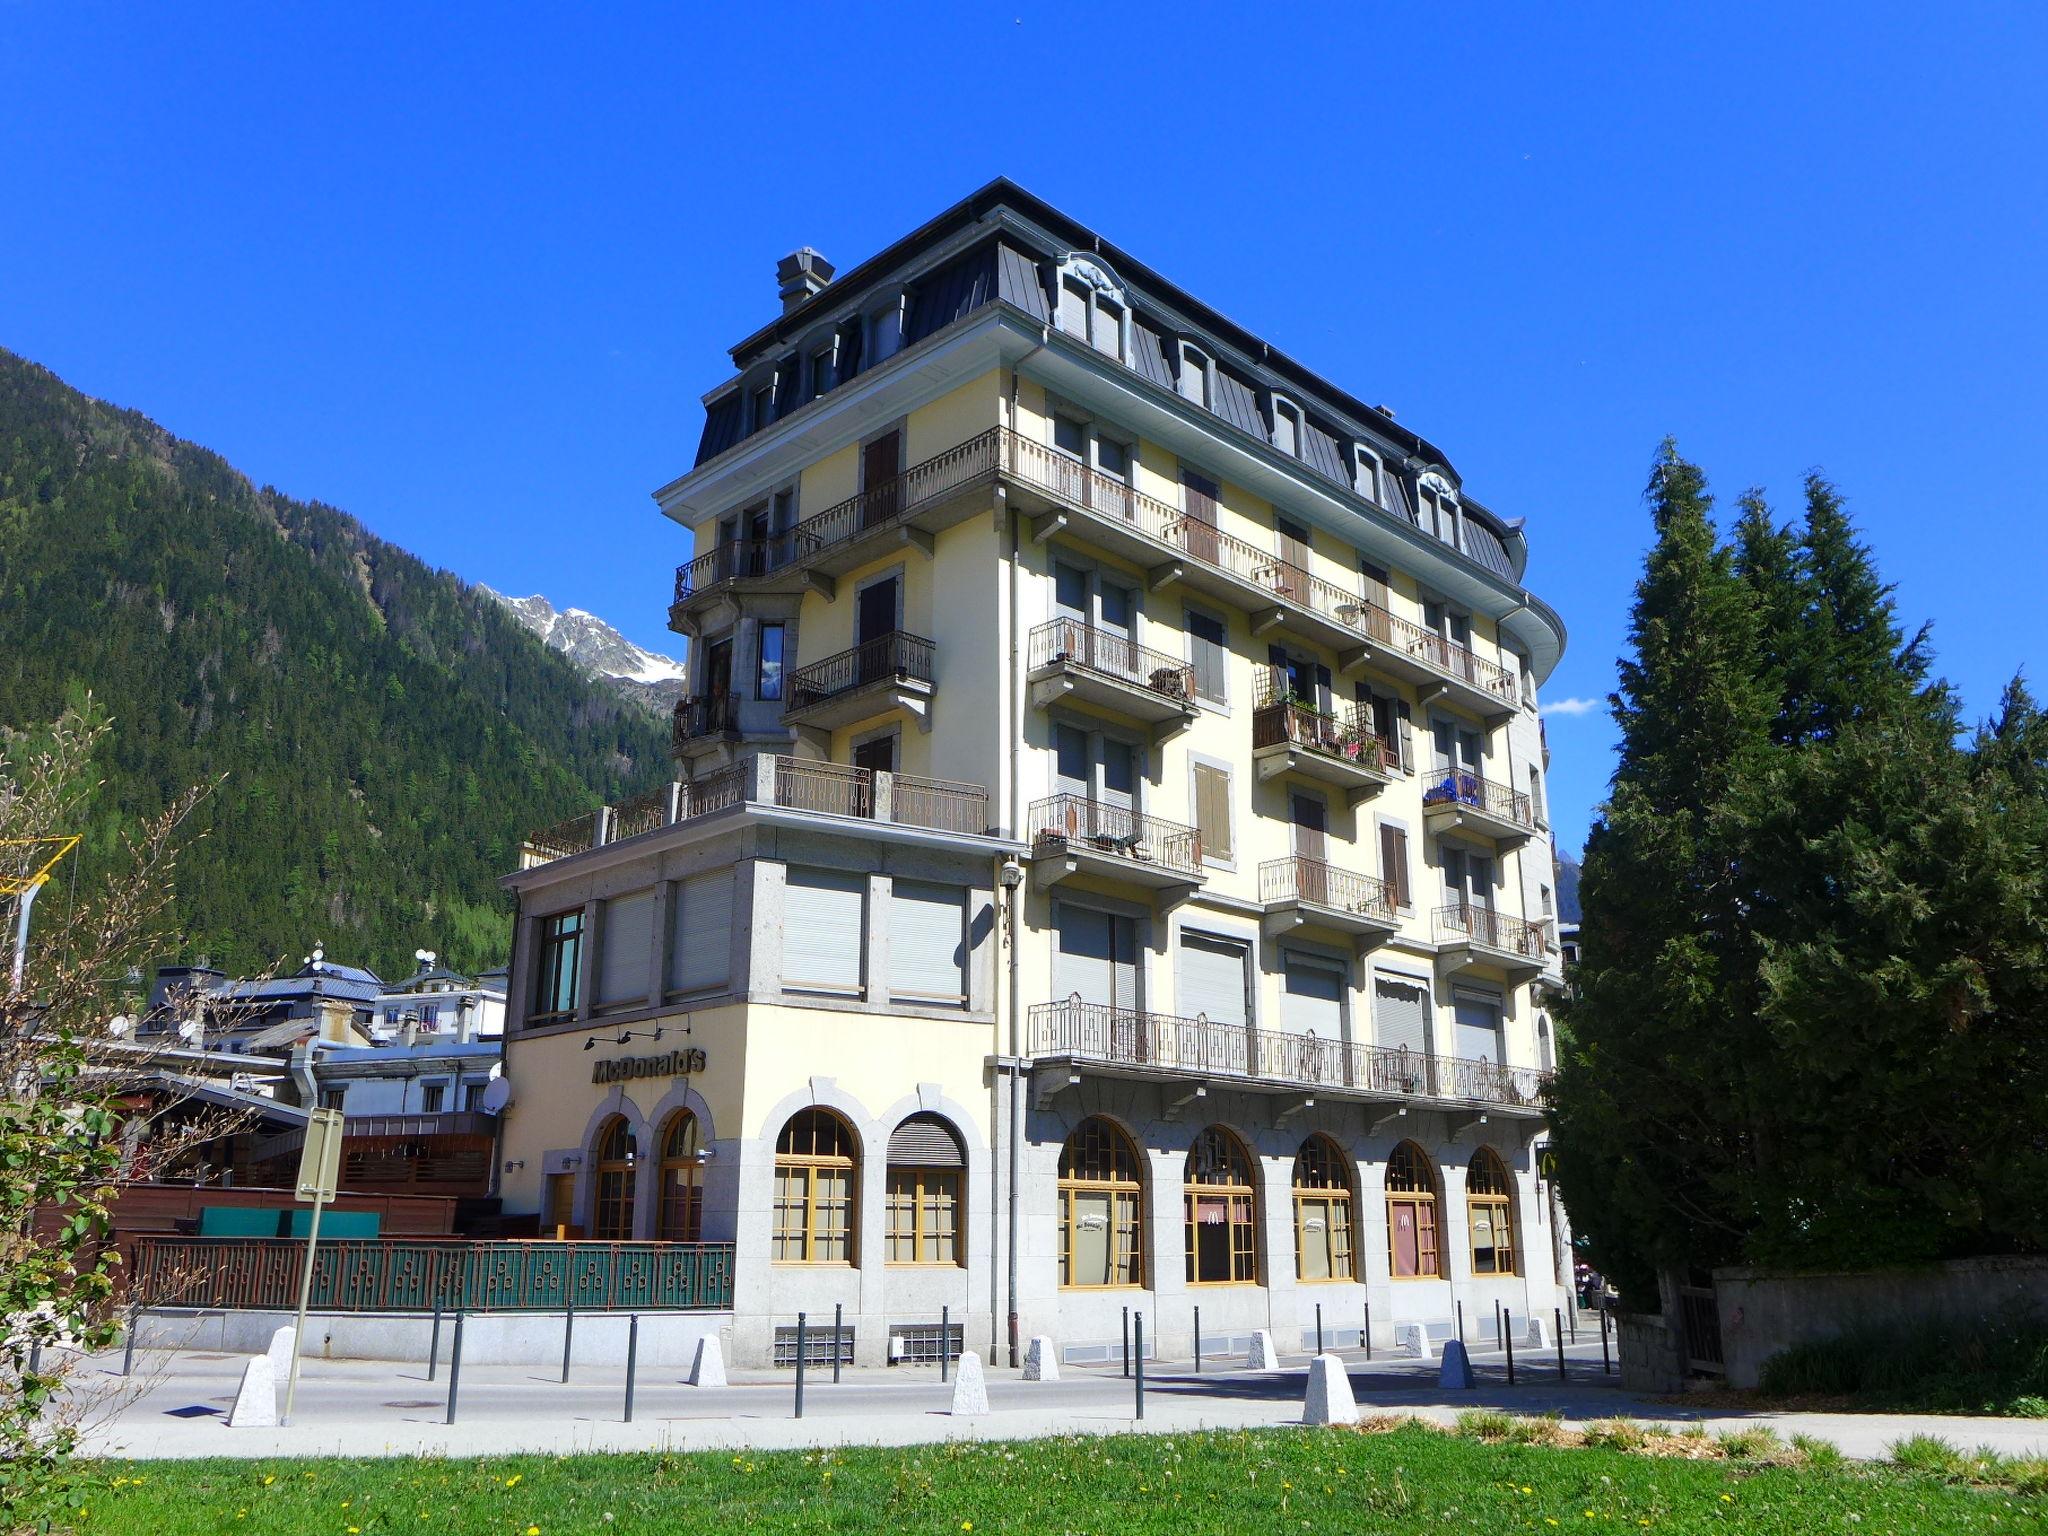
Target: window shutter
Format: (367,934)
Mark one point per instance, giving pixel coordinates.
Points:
(1313,998)
(1212,811)
(925,1141)
(1404,725)
(1400,1015)
(1394,863)
(1082,961)
(928,943)
(700,949)
(1073,309)
(1479,1031)
(823,931)
(1123,974)
(1212,973)
(628,945)
(1207,650)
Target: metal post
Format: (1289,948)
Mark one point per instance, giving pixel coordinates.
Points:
(1198,1338)
(455,1366)
(128,1349)
(1139,1323)
(1366,1332)
(945,1338)
(434,1343)
(1606,1365)
(838,1338)
(1559,1315)
(1511,1356)
(1572,1322)
(1319,1327)
(1461,1322)
(632,1359)
(568,1334)
(1127,1343)
(800,1321)
(291,1382)
(1500,1328)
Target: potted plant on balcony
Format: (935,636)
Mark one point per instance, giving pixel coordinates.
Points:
(1171,681)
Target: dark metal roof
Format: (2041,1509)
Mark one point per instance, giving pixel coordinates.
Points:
(721,425)
(1237,403)
(1149,354)
(1486,546)
(1321,452)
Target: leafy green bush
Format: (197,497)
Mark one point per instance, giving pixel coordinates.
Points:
(1987,1365)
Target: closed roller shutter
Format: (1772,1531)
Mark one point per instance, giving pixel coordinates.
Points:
(1479,1033)
(1096,957)
(700,930)
(1400,1014)
(1313,999)
(1212,979)
(628,949)
(822,931)
(925,1141)
(927,943)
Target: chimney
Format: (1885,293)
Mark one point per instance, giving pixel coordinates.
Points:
(799,275)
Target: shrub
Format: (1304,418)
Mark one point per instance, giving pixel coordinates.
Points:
(1952,1365)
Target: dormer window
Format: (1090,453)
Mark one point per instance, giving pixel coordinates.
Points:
(1368,476)
(1092,307)
(821,371)
(887,328)
(1194,375)
(1286,428)
(761,404)
(1437,509)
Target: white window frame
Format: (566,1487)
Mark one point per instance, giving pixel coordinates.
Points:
(1367,473)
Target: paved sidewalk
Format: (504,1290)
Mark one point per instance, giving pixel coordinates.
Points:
(177,1405)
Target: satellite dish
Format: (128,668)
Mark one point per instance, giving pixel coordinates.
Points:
(497,1094)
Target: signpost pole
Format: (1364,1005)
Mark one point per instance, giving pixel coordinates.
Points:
(319,1174)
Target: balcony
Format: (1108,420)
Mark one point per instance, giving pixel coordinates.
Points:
(1468,936)
(1070,660)
(1073,835)
(892,671)
(1454,800)
(1338,749)
(786,783)
(1125,1043)
(701,721)
(1308,893)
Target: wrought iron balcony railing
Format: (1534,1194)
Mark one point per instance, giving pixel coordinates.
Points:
(1125,1037)
(1325,885)
(1072,643)
(1283,720)
(698,716)
(1075,822)
(894,657)
(1455,786)
(1494,930)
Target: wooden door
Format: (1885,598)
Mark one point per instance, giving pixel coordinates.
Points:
(1198,528)
(880,461)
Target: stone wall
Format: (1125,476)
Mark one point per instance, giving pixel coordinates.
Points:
(1763,1312)
(1652,1354)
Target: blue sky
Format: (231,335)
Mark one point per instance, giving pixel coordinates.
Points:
(467,273)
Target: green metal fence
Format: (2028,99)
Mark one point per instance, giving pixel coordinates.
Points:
(415,1276)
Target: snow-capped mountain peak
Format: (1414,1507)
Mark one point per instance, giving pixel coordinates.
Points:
(647,677)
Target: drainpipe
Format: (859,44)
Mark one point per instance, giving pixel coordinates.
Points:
(1013,895)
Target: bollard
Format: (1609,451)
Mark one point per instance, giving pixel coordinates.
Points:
(1365,1333)
(1557,1317)
(838,1337)
(1198,1339)
(1127,1343)
(1461,1322)
(568,1335)
(1139,1322)
(632,1359)
(128,1350)
(455,1366)
(945,1338)
(1510,1342)
(1500,1328)
(1606,1366)
(800,1319)
(1572,1323)
(1319,1327)
(434,1344)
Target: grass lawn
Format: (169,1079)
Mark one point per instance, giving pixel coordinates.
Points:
(1325,1481)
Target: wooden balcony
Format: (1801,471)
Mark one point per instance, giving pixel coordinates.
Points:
(1454,800)
(1073,835)
(1470,936)
(1070,660)
(1309,893)
(890,672)
(1136,1045)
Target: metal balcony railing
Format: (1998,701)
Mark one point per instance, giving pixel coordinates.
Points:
(1325,885)
(1282,719)
(894,657)
(1072,643)
(735,561)
(1494,930)
(696,717)
(1127,1037)
(1076,822)
(1455,786)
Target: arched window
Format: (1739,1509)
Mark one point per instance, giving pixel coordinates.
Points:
(1490,1210)
(1322,1212)
(816,1163)
(1411,1215)
(925,1169)
(1222,1212)
(611,1211)
(1102,1208)
(680,1218)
